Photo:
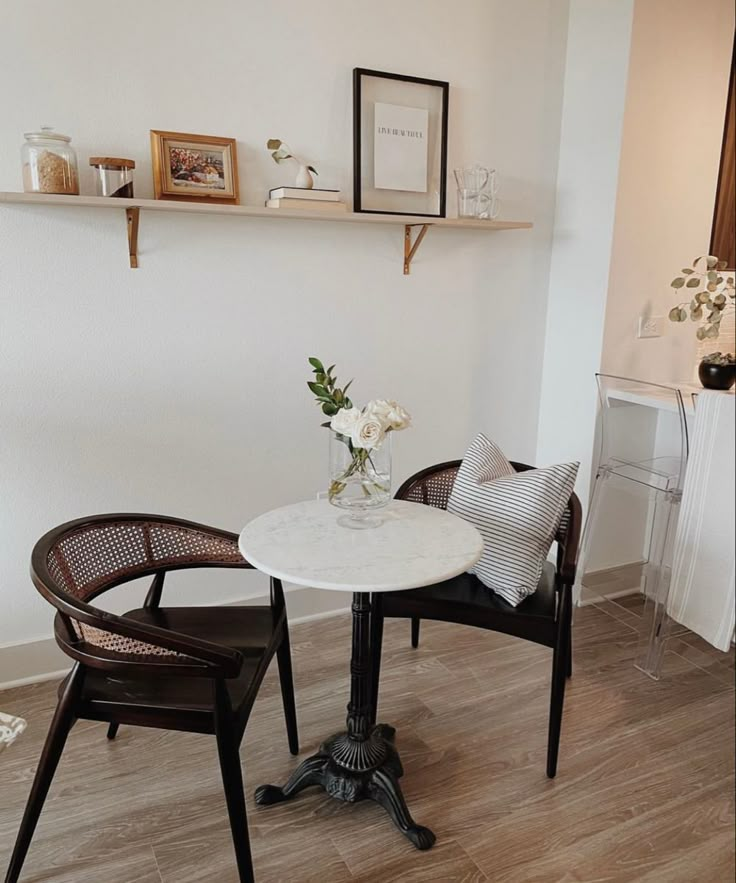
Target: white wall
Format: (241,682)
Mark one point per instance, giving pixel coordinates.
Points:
(179,387)
(673,129)
(590,144)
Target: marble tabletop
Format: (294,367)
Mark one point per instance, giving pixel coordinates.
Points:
(415,546)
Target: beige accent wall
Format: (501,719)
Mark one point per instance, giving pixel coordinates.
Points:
(673,127)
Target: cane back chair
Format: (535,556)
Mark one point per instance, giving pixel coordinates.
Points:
(196,669)
(543,618)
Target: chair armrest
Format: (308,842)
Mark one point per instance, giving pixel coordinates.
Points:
(225,660)
(215,659)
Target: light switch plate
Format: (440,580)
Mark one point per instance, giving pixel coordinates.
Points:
(650,326)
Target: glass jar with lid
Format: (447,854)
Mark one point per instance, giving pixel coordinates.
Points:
(49,163)
(114,175)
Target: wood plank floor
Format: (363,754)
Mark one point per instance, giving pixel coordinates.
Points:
(644,790)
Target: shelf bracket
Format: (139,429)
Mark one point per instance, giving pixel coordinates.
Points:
(132,216)
(411,249)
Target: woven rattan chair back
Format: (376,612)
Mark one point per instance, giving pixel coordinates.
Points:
(76,562)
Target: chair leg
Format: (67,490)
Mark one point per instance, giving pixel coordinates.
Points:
(415,622)
(376,645)
(232,780)
(589,528)
(286,678)
(112,731)
(655,622)
(557,700)
(62,722)
(569,655)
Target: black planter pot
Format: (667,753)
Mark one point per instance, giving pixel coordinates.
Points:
(717,376)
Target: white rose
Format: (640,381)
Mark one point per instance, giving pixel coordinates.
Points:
(379,408)
(367,433)
(344,421)
(390,414)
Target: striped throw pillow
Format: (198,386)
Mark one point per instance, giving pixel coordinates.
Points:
(517,513)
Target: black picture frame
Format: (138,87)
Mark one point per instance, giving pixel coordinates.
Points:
(358,201)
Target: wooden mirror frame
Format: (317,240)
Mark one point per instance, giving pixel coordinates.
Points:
(723,232)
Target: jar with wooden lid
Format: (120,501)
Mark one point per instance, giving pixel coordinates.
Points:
(114,175)
(49,163)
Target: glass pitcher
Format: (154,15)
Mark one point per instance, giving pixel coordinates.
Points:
(473,204)
(472,178)
(477,189)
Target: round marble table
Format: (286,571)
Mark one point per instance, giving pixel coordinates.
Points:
(415,546)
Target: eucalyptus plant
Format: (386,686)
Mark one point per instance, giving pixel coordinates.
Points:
(719,358)
(711,293)
(328,394)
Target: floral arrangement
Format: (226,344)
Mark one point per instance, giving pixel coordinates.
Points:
(715,291)
(361,430)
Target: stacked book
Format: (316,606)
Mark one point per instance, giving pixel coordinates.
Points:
(301,199)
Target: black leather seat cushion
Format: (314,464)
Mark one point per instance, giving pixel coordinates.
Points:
(247,629)
(471,602)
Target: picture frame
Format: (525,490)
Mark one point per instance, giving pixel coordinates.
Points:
(197,168)
(400,126)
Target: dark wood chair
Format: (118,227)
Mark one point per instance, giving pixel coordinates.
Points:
(543,618)
(196,669)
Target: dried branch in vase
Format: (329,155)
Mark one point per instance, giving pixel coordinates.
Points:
(711,293)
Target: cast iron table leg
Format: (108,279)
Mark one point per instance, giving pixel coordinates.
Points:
(362,762)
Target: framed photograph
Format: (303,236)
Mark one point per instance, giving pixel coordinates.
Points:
(194,167)
(399,144)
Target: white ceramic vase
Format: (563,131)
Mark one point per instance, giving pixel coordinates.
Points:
(304,178)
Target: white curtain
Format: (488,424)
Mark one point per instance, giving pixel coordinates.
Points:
(703,592)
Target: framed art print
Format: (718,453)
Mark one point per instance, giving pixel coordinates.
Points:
(194,167)
(399,144)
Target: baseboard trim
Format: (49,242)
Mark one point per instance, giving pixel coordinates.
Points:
(618,571)
(33,662)
(587,597)
(37,679)
(611,582)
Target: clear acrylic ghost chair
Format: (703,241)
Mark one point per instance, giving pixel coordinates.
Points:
(640,471)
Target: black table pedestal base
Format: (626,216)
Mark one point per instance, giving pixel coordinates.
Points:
(362,762)
(352,769)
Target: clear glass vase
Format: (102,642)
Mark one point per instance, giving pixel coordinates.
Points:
(360,481)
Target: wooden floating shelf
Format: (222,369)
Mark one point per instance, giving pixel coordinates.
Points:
(133,208)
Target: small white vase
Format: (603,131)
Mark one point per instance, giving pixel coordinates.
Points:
(304,178)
